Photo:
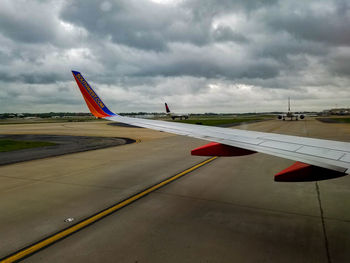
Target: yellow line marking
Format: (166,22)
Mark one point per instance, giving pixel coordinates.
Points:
(60,235)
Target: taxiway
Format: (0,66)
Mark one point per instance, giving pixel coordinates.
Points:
(229,210)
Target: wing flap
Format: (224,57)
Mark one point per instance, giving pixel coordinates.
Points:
(282,145)
(334,145)
(346,158)
(321,152)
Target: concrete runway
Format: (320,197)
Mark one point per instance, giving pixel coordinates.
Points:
(230,210)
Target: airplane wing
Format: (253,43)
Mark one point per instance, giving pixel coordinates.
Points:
(327,154)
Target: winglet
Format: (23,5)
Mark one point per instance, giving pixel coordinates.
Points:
(167,108)
(93,101)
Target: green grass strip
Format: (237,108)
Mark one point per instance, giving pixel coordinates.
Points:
(334,120)
(13,145)
(341,120)
(217,122)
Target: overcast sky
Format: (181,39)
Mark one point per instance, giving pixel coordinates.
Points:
(197,55)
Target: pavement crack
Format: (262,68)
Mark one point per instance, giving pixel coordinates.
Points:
(323,223)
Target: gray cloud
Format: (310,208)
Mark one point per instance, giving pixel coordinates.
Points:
(225,33)
(322,21)
(222,55)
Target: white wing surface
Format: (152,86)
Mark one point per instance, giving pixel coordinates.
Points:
(328,154)
(333,155)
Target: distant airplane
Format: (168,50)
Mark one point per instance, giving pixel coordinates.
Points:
(316,159)
(290,114)
(175,115)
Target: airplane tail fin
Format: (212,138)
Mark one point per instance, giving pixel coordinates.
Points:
(288,103)
(167,108)
(93,101)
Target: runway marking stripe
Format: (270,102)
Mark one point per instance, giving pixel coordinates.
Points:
(68,231)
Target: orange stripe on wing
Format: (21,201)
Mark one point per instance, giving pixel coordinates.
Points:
(92,109)
(93,106)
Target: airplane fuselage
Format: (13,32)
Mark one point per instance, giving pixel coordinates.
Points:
(179,116)
(290,114)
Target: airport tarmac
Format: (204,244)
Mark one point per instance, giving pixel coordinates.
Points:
(229,210)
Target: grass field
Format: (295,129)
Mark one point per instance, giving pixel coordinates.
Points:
(221,121)
(342,120)
(13,145)
(335,120)
(46,120)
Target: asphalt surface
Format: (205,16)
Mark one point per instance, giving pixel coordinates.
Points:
(119,124)
(229,210)
(64,144)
